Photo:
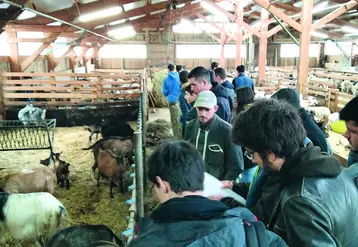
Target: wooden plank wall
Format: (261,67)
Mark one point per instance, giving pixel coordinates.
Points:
(60,89)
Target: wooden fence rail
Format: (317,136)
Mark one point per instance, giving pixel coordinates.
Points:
(58,89)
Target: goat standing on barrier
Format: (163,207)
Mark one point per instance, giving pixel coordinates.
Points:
(30,114)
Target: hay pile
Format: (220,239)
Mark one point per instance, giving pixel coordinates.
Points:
(161,128)
(157,83)
(84,203)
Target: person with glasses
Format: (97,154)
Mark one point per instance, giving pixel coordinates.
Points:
(211,136)
(315,199)
(185,217)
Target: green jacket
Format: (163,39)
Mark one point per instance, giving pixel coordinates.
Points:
(223,159)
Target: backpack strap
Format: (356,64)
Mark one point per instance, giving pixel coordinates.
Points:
(256,234)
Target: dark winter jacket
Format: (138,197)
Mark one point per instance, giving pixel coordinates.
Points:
(197,221)
(243,81)
(185,107)
(317,204)
(231,92)
(171,87)
(314,133)
(222,98)
(223,159)
(352,158)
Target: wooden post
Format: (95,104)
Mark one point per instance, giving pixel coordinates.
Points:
(240,20)
(263,44)
(304,44)
(251,54)
(222,44)
(51,62)
(2,110)
(14,53)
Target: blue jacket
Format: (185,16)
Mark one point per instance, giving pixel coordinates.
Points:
(243,81)
(185,107)
(197,221)
(222,98)
(171,87)
(231,91)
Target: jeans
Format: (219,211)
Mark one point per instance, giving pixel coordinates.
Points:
(247,175)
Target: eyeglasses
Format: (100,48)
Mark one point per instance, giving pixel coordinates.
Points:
(249,155)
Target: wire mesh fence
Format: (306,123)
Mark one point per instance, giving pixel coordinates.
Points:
(35,135)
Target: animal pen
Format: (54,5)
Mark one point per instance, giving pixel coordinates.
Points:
(74,99)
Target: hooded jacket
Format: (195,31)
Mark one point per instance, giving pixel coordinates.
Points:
(185,107)
(243,81)
(317,204)
(314,133)
(171,87)
(197,221)
(223,159)
(231,93)
(222,98)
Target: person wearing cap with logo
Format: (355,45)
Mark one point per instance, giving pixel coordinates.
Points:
(212,138)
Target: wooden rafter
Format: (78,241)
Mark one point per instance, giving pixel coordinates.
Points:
(333,15)
(272,9)
(28,61)
(203,30)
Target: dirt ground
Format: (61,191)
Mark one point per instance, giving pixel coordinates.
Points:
(83,201)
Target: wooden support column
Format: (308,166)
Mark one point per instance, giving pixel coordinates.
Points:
(240,20)
(251,54)
(263,44)
(14,53)
(304,44)
(51,61)
(222,44)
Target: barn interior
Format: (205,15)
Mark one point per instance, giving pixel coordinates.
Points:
(88,60)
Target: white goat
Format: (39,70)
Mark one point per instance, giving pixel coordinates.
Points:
(321,113)
(346,86)
(30,113)
(34,216)
(355,90)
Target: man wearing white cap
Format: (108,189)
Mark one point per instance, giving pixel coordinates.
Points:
(212,138)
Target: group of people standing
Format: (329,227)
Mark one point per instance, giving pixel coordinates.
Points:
(297,193)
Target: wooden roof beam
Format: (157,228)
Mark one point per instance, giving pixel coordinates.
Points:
(333,15)
(272,9)
(28,61)
(207,33)
(215,25)
(233,18)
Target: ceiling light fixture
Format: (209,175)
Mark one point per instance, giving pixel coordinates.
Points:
(100,14)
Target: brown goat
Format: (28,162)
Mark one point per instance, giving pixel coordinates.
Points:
(111,166)
(116,146)
(60,168)
(28,181)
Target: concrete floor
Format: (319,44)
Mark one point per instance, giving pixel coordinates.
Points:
(160,113)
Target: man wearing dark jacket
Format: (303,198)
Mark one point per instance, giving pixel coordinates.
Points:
(314,133)
(220,77)
(185,217)
(315,198)
(350,114)
(199,79)
(212,138)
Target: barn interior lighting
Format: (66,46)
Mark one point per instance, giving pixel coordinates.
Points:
(100,14)
(319,7)
(351,34)
(349,29)
(319,35)
(185,26)
(212,9)
(4,5)
(122,32)
(26,15)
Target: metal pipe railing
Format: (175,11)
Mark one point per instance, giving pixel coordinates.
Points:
(136,203)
